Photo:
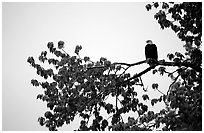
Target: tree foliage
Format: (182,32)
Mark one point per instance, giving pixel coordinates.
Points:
(81,87)
(185,19)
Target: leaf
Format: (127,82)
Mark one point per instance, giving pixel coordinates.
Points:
(156,4)
(57,53)
(140,112)
(49,72)
(60,44)
(144,108)
(107,64)
(31,60)
(108,107)
(162,71)
(179,55)
(154,71)
(45,98)
(145,97)
(50,105)
(127,75)
(175,28)
(151,113)
(40,96)
(177,60)
(131,121)
(45,85)
(165,5)
(170,56)
(148,7)
(86,58)
(118,67)
(155,85)
(50,45)
(163,111)
(77,49)
(48,114)
(154,101)
(41,120)
(104,123)
(34,82)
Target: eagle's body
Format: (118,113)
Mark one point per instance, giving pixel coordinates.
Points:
(151,53)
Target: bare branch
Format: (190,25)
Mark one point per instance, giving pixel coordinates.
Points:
(139,74)
(133,64)
(64,51)
(160,91)
(179,64)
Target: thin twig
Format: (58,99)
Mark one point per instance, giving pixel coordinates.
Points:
(170,72)
(109,117)
(142,84)
(116,97)
(160,91)
(64,51)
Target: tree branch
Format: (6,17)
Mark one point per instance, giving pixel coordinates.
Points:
(139,74)
(164,63)
(129,65)
(64,51)
(160,62)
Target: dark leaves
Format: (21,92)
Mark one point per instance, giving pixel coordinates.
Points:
(154,101)
(77,49)
(156,4)
(48,114)
(104,123)
(155,86)
(50,105)
(145,97)
(86,58)
(170,56)
(40,96)
(109,108)
(148,7)
(34,82)
(162,70)
(50,45)
(31,60)
(165,5)
(41,121)
(60,44)
(144,107)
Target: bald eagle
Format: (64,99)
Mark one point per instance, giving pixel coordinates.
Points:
(151,53)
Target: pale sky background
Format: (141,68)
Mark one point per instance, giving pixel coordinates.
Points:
(117,31)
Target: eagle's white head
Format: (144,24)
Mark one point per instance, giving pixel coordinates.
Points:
(149,42)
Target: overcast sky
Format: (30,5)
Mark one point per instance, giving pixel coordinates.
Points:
(117,31)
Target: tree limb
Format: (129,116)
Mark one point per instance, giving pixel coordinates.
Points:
(139,74)
(133,64)
(164,63)
(161,62)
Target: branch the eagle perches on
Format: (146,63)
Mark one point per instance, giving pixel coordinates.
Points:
(160,62)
